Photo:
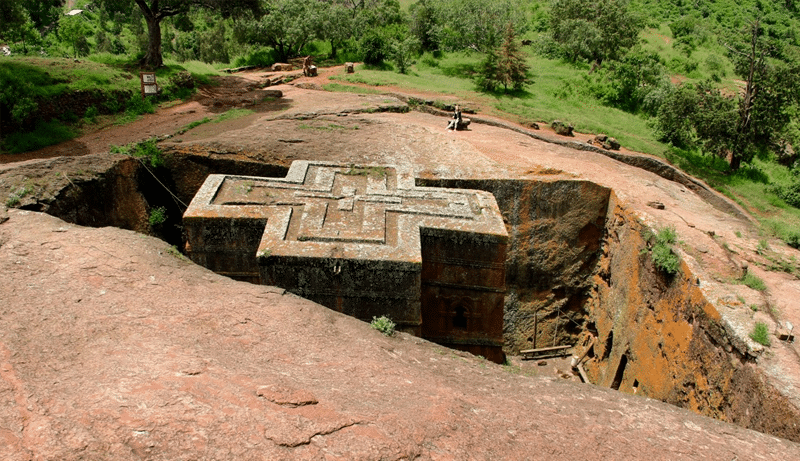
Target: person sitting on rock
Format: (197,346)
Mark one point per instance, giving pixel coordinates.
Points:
(307,67)
(456,122)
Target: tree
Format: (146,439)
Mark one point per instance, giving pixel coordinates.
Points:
(287,27)
(423,24)
(336,26)
(16,25)
(740,126)
(771,89)
(511,67)
(714,119)
(675,116)
(504,65)
(44,13)
(487,72)
(403,51)
(154,11)
(475,24)
(73,30)
(12,17)
(596,30)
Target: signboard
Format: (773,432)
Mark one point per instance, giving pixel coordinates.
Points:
(149,85)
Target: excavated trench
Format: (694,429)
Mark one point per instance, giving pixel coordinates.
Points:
(576,275)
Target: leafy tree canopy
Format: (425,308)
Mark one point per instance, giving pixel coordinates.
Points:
(594,29)
(12,16)
(154,11)
(464,24)
(287,27)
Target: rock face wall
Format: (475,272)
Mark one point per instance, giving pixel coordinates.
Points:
(555,233)
(87,202)
(99,359)
(658,336)
(576,270)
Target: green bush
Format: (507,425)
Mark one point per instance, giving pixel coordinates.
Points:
(158,216)
(374,48)
(91,114)
(789,194)
(144,150)
(664,258)
(753,281)
(137,105)
(793,239)
(383,324)
(44,134)
(760,334)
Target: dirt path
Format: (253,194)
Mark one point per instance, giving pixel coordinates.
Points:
(242,90)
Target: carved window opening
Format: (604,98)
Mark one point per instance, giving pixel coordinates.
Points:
(460,318)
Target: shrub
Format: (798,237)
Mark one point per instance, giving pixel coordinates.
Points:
(138,106)
(144,150)
(753,281)
(12,200)
(43,134)
(383,324)
(259,56)
(91,114)
(374,48)
(793,239)
(760,334)
(664,258)
(789,194)
(674,115)
(403,52)
(158,216)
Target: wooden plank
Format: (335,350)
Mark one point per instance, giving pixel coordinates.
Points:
(544,349)
(548,356)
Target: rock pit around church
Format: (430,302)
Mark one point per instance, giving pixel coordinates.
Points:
(577,270)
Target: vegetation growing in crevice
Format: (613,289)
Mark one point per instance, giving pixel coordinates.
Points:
(157,217)
(760,334)
(660,247)
(383,324)
(753,281)
(145,150)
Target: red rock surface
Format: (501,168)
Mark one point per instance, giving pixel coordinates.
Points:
(114,347)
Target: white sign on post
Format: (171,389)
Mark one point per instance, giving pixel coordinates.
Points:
(149,85)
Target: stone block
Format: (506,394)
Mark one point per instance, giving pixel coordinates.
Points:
(365,241)
(562,128)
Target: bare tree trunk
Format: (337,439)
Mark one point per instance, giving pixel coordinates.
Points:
(153,58)
(746,105)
